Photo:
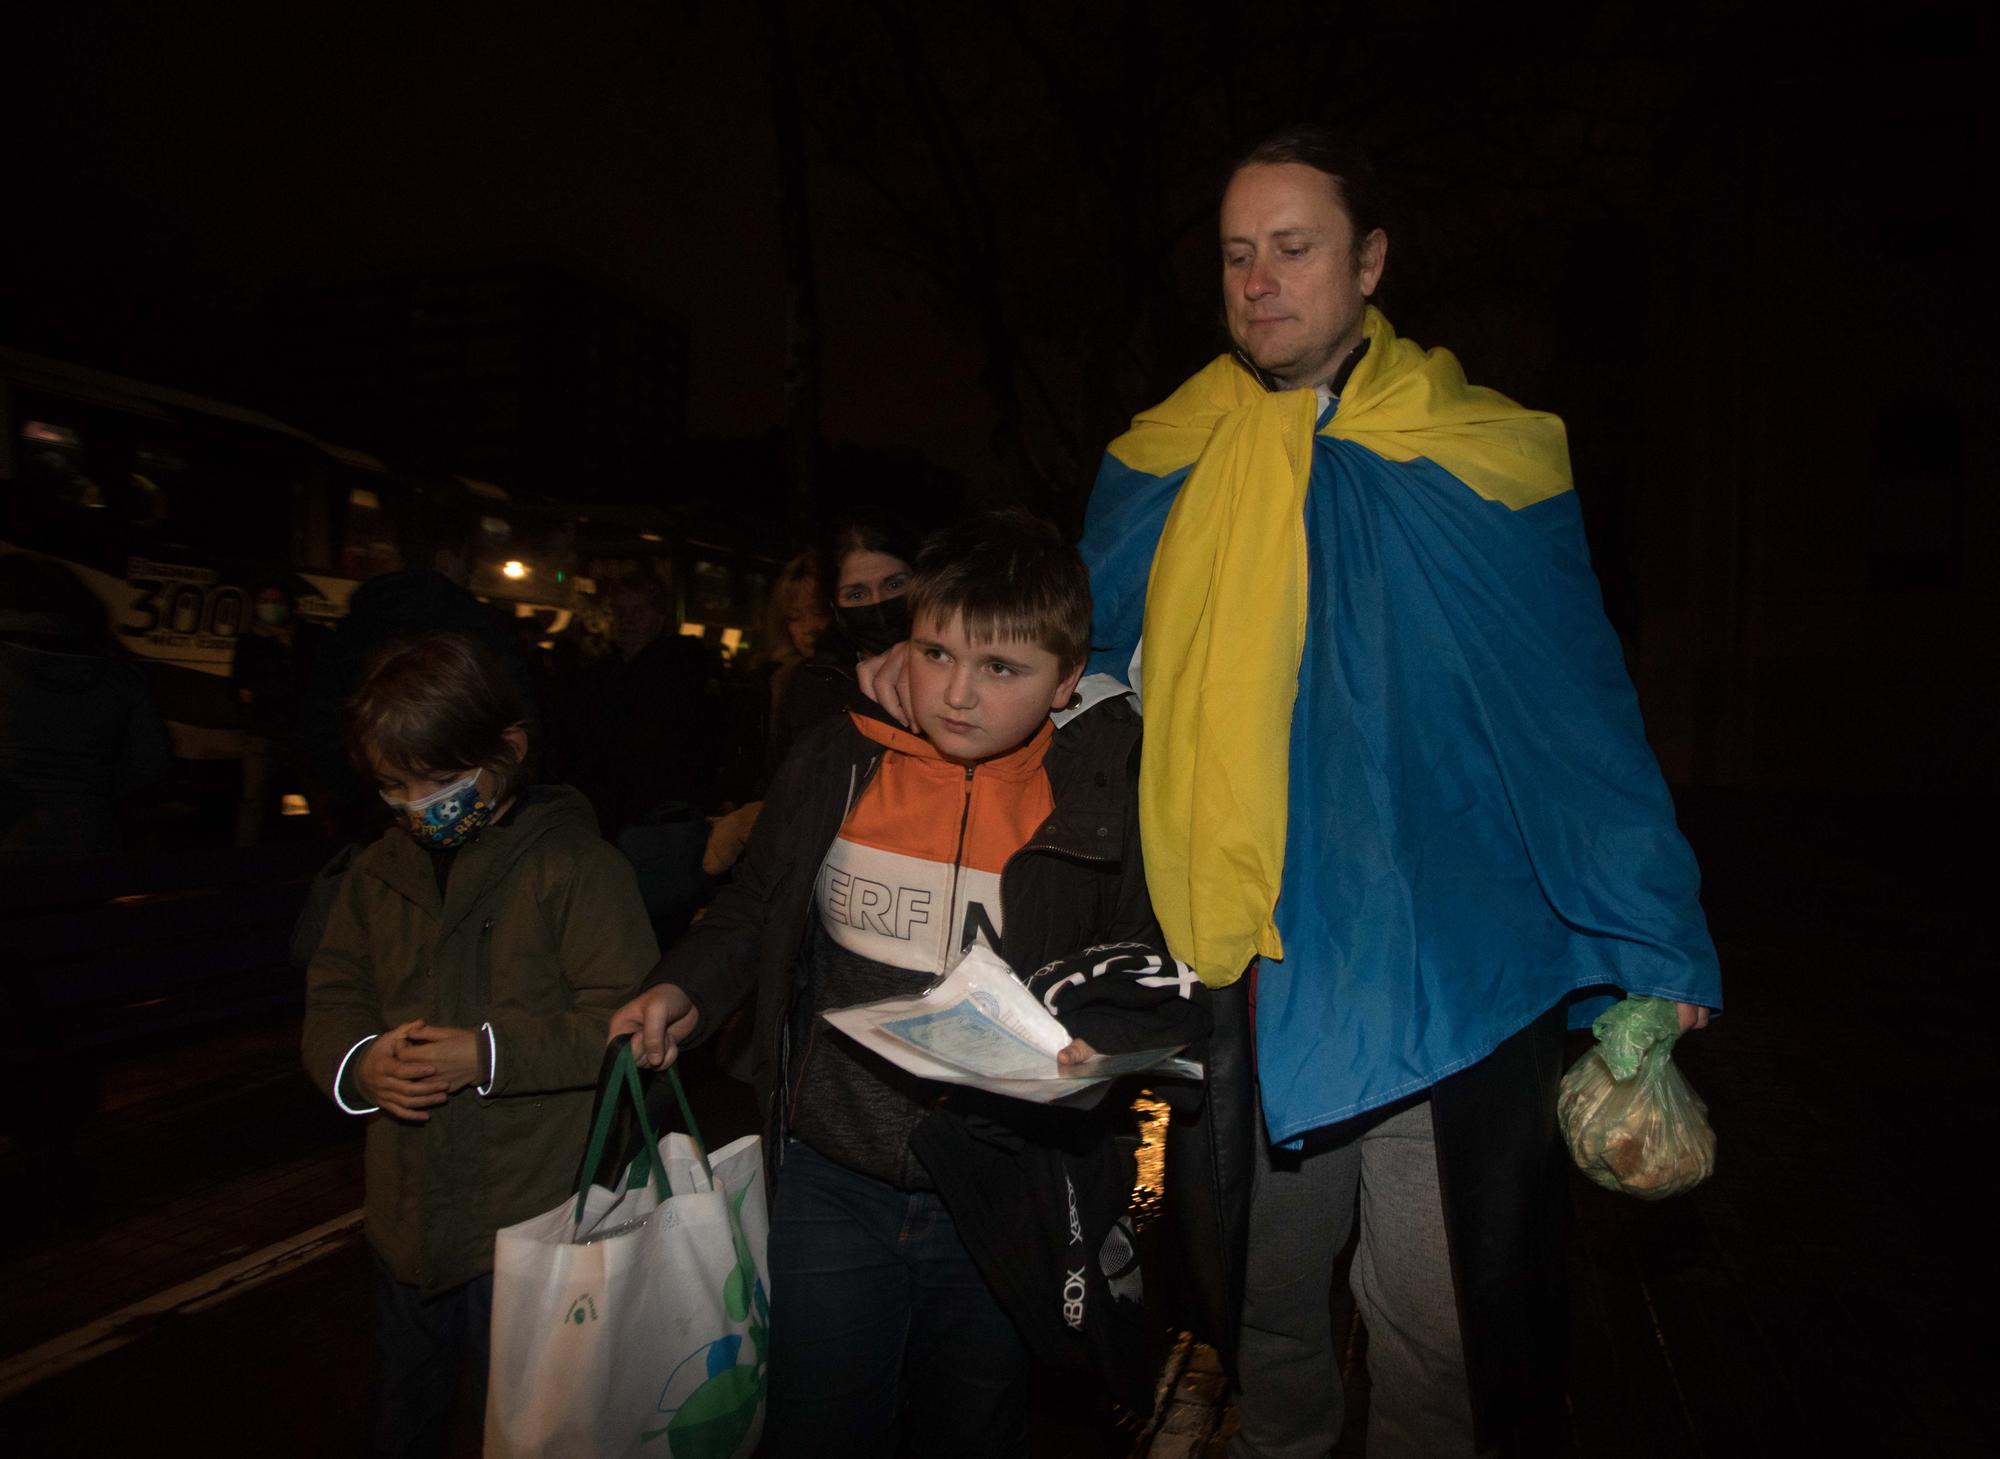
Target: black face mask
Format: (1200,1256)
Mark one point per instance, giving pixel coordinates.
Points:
(874,628)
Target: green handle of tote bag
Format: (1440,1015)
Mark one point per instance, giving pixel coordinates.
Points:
(624,1080)
(743,1290)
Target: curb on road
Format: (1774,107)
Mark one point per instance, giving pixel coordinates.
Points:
(1193,1407)
(94,1339)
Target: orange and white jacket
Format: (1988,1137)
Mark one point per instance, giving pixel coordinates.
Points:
(913,877)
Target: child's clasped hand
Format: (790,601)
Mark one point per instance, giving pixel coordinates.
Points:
(415,1067)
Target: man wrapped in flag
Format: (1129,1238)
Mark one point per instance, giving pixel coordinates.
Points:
(1393,766)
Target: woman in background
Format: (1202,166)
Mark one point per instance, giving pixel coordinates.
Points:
(864,570)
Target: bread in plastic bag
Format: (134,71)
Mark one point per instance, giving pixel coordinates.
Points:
(1630,1120)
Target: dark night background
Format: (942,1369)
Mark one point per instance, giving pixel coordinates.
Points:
(1733,246)
(745,259)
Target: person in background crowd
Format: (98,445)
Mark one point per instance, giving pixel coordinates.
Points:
(79,731)
(459,1001)
(79,735)
(864,569)
(268,676)
(551,666)
(794,619)
(795,616)
(426,594)
(649,723)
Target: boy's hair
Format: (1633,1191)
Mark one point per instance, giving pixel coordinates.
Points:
(436,703)
(1009,576)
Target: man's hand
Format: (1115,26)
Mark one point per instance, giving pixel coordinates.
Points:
(658,1019)
(886,680)
(398,1079)
(1693,1015)
(454,1052)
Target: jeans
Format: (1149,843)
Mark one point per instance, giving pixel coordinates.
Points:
(423,1346)
(884,1337)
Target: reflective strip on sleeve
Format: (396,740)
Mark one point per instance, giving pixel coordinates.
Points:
(340,1076)
(492,1059)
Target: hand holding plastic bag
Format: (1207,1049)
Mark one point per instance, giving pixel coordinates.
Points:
(1629,1117)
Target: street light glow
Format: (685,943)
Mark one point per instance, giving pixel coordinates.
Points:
(514,568)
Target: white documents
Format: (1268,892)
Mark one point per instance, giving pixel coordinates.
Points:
(981,1027)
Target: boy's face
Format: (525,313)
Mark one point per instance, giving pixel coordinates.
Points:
(402,784)
(976,700)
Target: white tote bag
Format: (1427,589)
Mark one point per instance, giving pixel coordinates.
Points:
(636,1321)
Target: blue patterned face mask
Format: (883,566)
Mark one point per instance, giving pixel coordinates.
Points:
(445,818)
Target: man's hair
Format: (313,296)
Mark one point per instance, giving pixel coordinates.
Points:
(1010,577)
(645,584)
(1325,150)
(436,703)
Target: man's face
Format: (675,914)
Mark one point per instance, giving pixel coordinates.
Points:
(636,621)
(976,700)
(1292,282)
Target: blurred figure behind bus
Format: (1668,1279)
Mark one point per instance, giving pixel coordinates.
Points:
(649,726)
(79,731)
(268,673)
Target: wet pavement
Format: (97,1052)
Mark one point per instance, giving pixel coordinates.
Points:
(193,1279)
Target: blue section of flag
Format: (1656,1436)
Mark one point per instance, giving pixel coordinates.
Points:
(1478,829)
(1128,509)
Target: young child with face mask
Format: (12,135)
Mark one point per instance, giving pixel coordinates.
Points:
(459,1002)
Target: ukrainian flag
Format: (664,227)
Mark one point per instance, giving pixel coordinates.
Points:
(1391,746)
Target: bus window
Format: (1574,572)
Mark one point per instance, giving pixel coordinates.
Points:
(241,503)
(711,593)
(71,495)
(367,537)
(156,471)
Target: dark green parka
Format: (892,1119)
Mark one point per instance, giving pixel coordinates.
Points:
(540,937)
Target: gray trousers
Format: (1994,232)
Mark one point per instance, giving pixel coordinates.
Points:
(1302,1211)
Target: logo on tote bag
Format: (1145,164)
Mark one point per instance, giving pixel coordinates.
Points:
(710,1399)
(581,1310)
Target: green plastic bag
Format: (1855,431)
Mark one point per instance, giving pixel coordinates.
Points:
(1630,1120)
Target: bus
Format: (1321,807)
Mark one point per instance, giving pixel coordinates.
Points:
(176,509)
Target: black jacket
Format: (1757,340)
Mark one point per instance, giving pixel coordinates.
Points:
(1008,1172)
(647,731)
(823,687)
(1079,880)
